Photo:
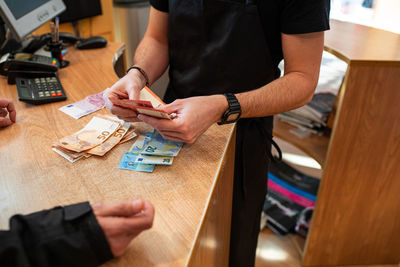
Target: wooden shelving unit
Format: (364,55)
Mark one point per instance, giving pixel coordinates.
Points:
(357,214)
(315,146)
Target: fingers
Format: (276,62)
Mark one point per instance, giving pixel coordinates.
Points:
(160,124)
(8,104)
(12,112)
(173,136)
(143,220)
(4,122)
(121,209)
(123,112)
(171,108)
(4,102)
(129,119)
(118,94)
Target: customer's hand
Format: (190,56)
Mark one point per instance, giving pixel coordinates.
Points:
(127,87)
(7,108)
(121,222)
(194,115)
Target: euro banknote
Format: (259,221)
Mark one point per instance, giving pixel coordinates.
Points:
(94,133)
(128,163)
(84,107)
(156,160)
(112,141)
(161,147)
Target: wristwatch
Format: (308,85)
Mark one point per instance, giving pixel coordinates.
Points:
(232,114)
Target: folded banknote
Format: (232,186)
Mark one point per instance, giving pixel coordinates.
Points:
(94,133)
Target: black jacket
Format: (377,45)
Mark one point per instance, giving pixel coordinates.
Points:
(62,236)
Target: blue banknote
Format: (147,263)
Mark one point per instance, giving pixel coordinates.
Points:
(160,147)
(156,160)
(128,163)
(129,158)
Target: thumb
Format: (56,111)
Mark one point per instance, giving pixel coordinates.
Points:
(121,209)
(134,94)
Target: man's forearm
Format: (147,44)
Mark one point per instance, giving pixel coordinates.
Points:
(302,53)
(152,56)
(288,92)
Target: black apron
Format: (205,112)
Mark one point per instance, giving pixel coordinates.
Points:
(217,47)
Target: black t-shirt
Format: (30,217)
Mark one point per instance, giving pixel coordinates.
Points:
(283,16)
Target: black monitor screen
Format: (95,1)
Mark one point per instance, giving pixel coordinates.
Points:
(20,8)
(80,9)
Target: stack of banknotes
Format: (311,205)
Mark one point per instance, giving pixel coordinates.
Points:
(98,137)
(148,151)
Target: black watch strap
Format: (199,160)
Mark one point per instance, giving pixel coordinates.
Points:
(234,109)
(142,72)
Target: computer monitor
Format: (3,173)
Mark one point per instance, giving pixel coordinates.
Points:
(80,9)
(24,16)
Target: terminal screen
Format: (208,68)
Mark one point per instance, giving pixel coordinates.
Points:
(20,8)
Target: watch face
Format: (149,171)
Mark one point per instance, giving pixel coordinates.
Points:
(233,116)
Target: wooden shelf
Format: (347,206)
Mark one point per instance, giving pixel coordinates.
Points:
(315,146)
(354,211)
(355,216)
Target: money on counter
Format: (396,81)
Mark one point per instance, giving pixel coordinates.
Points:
(112,141)
(128,136)
(161,147)
(98,137)
(71,157)
(84,107)
(129,158)
(137,158)
(94,133)
(156,160)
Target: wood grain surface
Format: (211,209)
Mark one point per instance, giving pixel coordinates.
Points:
(354,42)
(357,215)
(33,177)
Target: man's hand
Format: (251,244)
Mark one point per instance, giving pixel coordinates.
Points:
(126,88)
(7,108)
(121,222)
(194,116)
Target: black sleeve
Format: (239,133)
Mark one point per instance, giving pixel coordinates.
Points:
(299,16)
(161,5)
(69,236)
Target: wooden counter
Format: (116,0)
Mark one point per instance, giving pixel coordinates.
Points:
(356,220)
(192,198)
(357,213)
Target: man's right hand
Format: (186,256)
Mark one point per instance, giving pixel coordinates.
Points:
(123,221)
(127,87)
(7,108)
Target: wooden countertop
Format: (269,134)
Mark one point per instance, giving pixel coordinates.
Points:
(33,177)
(354,42)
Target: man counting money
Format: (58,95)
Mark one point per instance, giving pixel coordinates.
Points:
(223,60)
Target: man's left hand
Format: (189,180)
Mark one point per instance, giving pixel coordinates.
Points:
(194,116)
